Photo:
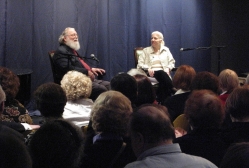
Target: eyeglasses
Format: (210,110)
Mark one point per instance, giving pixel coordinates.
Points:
(72,35)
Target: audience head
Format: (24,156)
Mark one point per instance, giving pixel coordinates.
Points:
(125,84)
(237,104)
(205,80)
(110,113)
(204,109)
(149,127)
(10,83)
(70,37)
(236,156)
(145,90)
(14,152)
(50,100)
(76,85)
(183,77)
(56,144)
(229,80)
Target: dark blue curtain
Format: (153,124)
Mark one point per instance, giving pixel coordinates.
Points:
(109,29)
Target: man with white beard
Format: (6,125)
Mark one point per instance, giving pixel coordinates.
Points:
(66,59)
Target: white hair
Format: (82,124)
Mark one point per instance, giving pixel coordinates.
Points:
(158,33)
(62,36)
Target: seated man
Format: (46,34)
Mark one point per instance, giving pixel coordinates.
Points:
(151,137)
(66,58)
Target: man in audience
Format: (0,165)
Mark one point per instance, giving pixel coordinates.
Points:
(66,58)
(152,135)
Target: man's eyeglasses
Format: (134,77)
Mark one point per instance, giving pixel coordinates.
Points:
(72,35)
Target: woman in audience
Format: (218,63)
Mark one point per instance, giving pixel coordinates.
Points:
(145,91)
(205,113)
(57,143)
(182,80)
(205,80)
(14,110)
(78,88)
(237,107)
(229,80)
(236,156)
(111,147)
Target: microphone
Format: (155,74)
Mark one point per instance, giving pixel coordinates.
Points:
(94,58)
(186,49)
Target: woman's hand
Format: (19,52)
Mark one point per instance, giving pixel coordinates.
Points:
(151,72)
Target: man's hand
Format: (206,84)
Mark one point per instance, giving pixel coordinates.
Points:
(97,71)
(91,75)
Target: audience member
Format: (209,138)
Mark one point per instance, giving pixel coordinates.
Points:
(78,88)
(237,107)
(14,110)
(66,58)
(57,143)
(181,81)
(236,156)
(14,153)
(205,113)
(127,85)
(145,91)
(111,147)
(247,80)
(50,100)
(152,135)
(20,127)
(205,80)
(158,61)
(229,80)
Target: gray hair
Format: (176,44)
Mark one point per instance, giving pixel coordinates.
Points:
(62,36)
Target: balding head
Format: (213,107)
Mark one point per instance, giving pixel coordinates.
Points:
(150,127)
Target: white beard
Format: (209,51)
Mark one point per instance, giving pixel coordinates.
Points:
(73,44)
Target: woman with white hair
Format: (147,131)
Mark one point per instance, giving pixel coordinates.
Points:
(78,88)
(158,61)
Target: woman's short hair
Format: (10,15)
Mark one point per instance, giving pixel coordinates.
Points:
(146,92)
(158,33)
(10,82)
(183,77)
(110,113)
(57,143)
(50,99)
(228,80)
(76,85)
(237,103)
(126,84)
(205,80)
(236,156)
(204,109)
